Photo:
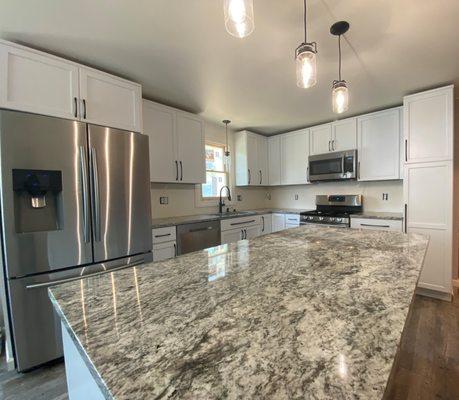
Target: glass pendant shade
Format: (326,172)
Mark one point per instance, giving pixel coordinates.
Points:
(340,97)
(227,160)
(239,19)
(306,66)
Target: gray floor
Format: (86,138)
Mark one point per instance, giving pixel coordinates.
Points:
(46,383)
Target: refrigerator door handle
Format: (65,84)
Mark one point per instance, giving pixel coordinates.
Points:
(96,194)
(77,278)
(84,181)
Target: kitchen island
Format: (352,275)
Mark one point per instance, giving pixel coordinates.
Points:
(309,312)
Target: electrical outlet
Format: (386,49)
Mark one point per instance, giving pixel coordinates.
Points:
(239,197)
(385,196)
(164,200)
(296,197)
(268,196)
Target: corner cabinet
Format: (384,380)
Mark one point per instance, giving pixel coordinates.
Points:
(37,82)
(295,157)
(177,144)
(428,184)
(251,159)
(379,145)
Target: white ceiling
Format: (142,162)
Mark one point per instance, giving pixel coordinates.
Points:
(181,54)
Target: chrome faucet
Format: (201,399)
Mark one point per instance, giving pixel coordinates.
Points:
(221,204)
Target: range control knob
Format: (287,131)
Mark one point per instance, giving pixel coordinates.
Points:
(339,219)
(321,218)
(331,219)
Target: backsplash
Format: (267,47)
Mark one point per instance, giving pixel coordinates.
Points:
(372,194)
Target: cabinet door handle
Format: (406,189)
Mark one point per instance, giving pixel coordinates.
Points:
(378,226)
(250,176)
(242,234)
(84,108)
(307,174)
(175,250)
(263,226)
(358,170)
(181,171)
(406,149)
(176,170)
(75,101)
(406,218)
(333,145)
(245,233)
(261,177)
(329,142)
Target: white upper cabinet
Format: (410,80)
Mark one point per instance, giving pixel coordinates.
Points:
(110,101)
(251,159)
(336,136)
(274,159)
(159,125)
(321,139)
(190,148)
(177,144)
(379,145)
(38,83)
(428,125)
(294,157)
(344,134)
(262,157)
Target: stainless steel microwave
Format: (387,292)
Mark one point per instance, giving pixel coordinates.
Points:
(337,166)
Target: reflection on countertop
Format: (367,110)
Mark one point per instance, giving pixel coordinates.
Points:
(309,311)
(189,219)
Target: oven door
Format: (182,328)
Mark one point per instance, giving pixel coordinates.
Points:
(333,166)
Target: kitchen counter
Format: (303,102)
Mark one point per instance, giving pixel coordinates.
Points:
(379,215)
(308,312)
(189,219)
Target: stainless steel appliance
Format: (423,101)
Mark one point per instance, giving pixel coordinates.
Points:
(333,210)
(340,165)
(198,236)
(75,201)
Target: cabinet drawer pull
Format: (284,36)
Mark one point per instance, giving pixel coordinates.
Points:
(243,222)
(164,235)
(376,225)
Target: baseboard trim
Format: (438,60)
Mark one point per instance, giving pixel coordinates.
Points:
(434,294)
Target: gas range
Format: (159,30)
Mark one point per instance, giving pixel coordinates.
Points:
(333,210)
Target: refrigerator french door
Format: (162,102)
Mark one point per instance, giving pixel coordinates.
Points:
(74,201)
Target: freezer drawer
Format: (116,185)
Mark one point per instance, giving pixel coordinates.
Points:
(35,326)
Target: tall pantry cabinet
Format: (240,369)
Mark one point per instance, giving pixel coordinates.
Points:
(428,183)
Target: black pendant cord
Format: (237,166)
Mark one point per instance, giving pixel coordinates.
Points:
(339,51)
(305,18)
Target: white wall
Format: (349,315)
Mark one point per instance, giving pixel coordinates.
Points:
(182,199)
(371,191)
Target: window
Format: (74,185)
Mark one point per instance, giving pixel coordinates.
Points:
(216,174)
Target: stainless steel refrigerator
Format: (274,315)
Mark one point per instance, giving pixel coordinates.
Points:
(75,201)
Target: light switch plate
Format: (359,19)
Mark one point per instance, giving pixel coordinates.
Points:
(239,197)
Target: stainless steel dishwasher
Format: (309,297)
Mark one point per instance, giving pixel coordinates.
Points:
(197,236)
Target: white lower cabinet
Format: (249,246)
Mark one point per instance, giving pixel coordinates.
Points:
(377,224)
(278,222)
(232,235)
(266,224)
(235,229)
(164,243)
(292,221)
(164,251)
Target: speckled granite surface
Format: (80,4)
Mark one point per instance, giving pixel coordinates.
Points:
(310,313)
(379,215)
(189,219)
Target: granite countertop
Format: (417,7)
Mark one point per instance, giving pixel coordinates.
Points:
(379,215)
(309,312)
(189,219)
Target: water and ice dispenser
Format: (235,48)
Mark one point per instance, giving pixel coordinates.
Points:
(37,200)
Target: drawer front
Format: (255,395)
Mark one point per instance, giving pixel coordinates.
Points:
(292,219)
(241,222)
(164,251)
(377,224)
(161,235)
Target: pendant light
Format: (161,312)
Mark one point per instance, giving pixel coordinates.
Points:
(239,20)
(305,56)
(227,155)
(340,94)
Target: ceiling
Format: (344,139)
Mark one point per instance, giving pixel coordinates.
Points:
(181,54)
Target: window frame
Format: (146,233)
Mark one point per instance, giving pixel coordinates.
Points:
(225,171)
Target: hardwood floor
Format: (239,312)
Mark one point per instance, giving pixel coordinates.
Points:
(427,367)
